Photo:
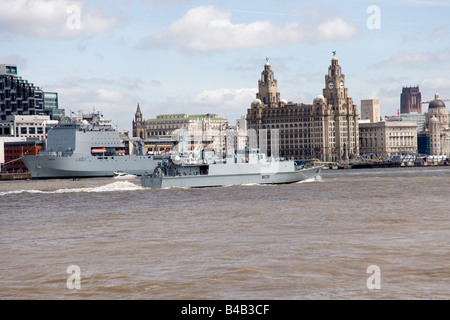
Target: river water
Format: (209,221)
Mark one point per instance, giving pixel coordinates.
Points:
(310,240)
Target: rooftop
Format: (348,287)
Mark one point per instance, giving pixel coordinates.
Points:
(185,117)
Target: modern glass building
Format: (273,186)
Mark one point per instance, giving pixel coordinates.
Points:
(20,97)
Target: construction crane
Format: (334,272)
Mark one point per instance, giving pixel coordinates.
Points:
(445,100)
(436,97)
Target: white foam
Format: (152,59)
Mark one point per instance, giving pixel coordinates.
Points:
(112,187)
(115,186)
(19,192)
(318,178)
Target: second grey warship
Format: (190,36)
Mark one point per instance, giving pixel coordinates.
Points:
(249,167)
(85,149)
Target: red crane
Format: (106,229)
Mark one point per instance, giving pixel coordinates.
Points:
(423,102)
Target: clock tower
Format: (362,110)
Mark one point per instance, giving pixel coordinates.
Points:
(341,115)
(268,89)
(335,91)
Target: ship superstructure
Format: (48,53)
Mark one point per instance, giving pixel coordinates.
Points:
(86,149)
(249,167)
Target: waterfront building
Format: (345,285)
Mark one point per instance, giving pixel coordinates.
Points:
(162,133)
(327,129)
(437,128)
(418,118)
(370,110)
(166,124)
(13,149)
(423,143)
(31,127)
(410,100)
(241,133)
(20,97)
(51,106)
(384,139)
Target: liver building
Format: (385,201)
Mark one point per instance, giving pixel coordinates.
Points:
(325,130)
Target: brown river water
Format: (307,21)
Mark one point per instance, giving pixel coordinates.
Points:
(310,240)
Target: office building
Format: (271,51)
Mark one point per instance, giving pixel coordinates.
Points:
(410,100)
(370,110)
(20,97)
(327,129)
(384,139)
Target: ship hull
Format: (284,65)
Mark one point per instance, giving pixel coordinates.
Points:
(217,180)
(77,166)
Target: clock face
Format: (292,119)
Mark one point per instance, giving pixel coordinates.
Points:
(342,84)
(330,85)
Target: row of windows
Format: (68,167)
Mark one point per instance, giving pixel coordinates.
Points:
(156,133)
(23,130)
(12,151)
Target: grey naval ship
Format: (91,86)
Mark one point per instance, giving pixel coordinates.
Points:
(248,167)
(85,149)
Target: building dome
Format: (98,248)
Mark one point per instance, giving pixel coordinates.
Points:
(257,101)
(436,103)
(319,98)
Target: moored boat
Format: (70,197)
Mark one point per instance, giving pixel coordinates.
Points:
(86,149)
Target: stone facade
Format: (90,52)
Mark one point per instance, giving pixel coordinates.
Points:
(437,128)
(385,139)
(166,124)
(325,130)
(370,110)
(186,131)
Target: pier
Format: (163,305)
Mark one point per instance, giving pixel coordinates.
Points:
(14,176)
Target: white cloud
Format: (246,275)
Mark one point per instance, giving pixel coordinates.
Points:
(120,106)
(436,83)
(115,105)
(50,19)
(124,82)
(415,59)
(427,3)
(206,29)
(225,99)
(14,59)
(228,103)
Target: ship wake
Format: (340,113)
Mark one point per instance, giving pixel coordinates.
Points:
(111,187)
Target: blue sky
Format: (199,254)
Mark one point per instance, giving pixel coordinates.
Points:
(192,56)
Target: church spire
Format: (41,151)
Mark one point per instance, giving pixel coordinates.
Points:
(139,124)
(138,110)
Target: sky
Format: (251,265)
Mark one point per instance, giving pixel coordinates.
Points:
(194,56)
